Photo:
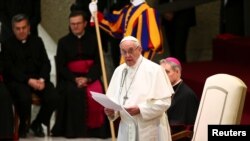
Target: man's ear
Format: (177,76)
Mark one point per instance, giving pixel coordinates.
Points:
(85,23)
(178,71)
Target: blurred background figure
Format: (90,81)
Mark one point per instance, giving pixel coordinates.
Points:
(177,25)
(232,17)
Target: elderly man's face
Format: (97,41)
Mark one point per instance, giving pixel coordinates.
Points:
(130,52)
(173,74)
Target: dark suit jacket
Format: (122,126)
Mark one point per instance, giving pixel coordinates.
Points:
(26,60)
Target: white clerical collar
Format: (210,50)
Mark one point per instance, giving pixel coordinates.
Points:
(138,62)
(137,2)
(177,82)
(80,36)
(24,41)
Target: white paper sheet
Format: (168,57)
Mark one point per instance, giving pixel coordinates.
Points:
(108,103)
(105,101)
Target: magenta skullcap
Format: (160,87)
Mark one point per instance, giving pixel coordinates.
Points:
(174,60)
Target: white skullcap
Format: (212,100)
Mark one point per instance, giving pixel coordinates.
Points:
(129,38)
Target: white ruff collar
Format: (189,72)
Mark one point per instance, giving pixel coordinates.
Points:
(137,2)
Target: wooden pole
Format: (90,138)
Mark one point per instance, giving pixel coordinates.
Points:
(103,68)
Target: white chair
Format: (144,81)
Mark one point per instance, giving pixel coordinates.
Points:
(222,102)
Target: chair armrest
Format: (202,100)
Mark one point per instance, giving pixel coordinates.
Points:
(182,134)
(181,131)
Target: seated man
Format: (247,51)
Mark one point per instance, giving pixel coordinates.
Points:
(184,104)
(6,112)
(79,72)
(29,69)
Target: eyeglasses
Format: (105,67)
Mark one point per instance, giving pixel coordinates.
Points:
(130,51)
(76,24)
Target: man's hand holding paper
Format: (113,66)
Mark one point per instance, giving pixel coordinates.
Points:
(109,112)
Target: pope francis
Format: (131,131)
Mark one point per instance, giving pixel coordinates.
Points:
(144,91)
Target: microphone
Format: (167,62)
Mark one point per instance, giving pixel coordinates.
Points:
(124,74)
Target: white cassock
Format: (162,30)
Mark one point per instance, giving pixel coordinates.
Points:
(148,87)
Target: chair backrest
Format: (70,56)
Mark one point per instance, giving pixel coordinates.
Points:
(222,102)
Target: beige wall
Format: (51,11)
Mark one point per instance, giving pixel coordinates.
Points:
(55,17)
(200,39)
(55,21)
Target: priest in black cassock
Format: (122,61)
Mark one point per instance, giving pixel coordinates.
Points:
(28,71)
(184,106)
(78,73)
